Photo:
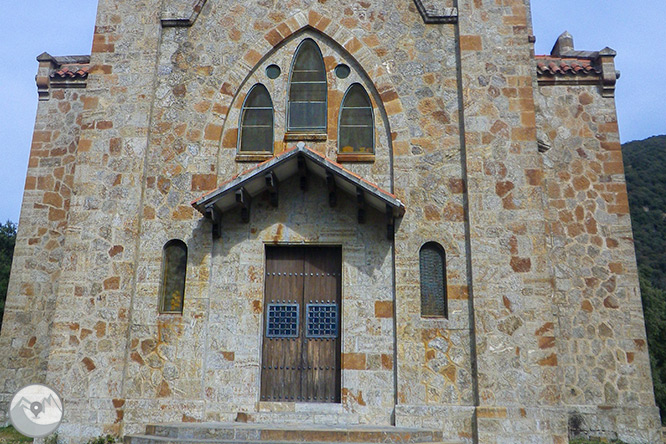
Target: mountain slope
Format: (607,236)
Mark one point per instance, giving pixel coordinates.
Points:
(645,166)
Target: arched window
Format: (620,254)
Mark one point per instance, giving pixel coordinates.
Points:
(432,264)
(356,128)
(257,121)
(307,90)
(174,268)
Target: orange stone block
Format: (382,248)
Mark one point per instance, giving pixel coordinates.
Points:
(213,132)
(353,361)
(323,23)
(273,37)
(204,182)
(183,212)
(387,362)
(471,43)
(549,361)
(313,18)
(521,265)
(353,45)
(230,139)
(534,177)
(252,57)
(89,364)
(41,136)
(491,412)
(383,309)
(457,292)
(546,342)
(90,102)
(613,168)
(523,134)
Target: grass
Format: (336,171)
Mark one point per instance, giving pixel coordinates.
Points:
(9,435)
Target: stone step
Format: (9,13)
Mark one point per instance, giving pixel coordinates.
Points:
(254,432)
(150,439)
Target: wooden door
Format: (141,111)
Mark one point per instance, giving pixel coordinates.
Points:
(301,347)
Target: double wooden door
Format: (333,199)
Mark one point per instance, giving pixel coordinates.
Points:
(302,313)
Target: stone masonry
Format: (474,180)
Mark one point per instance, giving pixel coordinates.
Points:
(510,161)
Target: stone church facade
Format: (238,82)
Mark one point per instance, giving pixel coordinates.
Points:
(387,213)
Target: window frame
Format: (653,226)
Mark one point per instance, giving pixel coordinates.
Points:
(372,121)
(442,254)
(241,125)
(163,287)
(299,130)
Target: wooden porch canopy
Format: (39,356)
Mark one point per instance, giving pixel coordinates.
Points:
(301,161)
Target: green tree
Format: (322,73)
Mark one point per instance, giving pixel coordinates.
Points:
(645,167)
(654,308)
(7,242)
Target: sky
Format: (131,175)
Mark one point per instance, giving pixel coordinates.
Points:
(634,29)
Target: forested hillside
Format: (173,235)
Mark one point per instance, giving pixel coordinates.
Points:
(7,241)
(645,166)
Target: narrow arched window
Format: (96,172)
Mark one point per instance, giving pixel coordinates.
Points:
(257,121)
(307,90)
(432,265)
(356,128)
(174,268)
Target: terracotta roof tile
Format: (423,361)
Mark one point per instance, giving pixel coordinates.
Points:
(71,72)
(548,65)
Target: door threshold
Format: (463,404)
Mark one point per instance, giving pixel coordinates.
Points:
(319,407)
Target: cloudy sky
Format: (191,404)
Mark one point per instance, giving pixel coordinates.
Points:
(634,29)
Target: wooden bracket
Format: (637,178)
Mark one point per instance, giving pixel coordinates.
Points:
(216,218)
(303,172)
(332,189)
(244,199)
(272,185)
(360,200)
(390,223)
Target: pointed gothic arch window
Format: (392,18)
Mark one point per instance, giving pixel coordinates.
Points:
(432,266)
(257,121)
(174,268)
(356,128)
(307,90)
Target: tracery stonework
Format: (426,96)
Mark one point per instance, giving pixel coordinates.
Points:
(301,256)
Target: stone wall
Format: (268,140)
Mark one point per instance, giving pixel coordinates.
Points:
(544,335)
(512,291)
(99,273)
(39,249)
(602,351)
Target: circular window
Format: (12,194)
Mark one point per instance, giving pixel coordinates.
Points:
(273,71)
(342,71)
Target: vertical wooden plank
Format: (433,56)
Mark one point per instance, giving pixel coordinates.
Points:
(322,267)
(284,284)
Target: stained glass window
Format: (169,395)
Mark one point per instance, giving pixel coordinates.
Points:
(307,90)
(356,130)
(174,268)
(257,121)
(432,265)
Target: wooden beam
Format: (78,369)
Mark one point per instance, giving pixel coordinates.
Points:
(272,185)
(360,200)
(332,189)
(215,217)
(244,199)
(303,172)
(390,223)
